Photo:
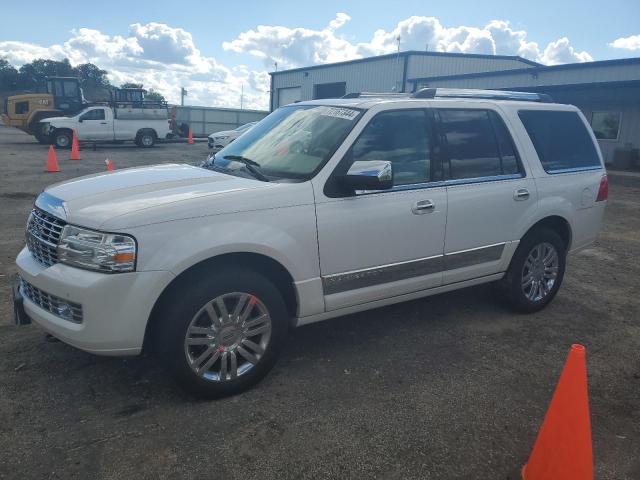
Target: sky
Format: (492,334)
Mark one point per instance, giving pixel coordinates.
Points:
(221,51)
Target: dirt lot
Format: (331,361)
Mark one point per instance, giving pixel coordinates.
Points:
(452,386)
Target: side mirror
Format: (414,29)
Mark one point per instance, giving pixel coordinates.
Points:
(80,120)
(368,175)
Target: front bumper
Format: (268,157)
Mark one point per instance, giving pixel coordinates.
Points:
(115,307)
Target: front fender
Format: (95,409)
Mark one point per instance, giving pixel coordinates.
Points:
(287,235)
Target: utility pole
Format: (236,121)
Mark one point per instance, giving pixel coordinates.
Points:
(397,83)
(183,93)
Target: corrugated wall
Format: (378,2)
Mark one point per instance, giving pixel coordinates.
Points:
(383,74)
(425,66)
(568,76)
(207,120)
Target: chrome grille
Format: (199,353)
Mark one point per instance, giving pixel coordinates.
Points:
(43,234)
(59,307)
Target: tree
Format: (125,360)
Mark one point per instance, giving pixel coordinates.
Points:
(8,75)
(32,75)
(154,96)
(92,76)
(131,85)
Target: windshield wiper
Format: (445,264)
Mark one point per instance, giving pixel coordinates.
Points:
(252,166)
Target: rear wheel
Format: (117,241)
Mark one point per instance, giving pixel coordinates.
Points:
(146,139)
(62,139)
(536,271)
(224,332)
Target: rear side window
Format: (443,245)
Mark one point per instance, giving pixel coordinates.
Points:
(478,144)
(561,140)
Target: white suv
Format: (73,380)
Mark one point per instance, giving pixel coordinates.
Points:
(391,198)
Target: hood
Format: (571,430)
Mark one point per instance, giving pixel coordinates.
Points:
(55,119)
(137,196)
(225,133)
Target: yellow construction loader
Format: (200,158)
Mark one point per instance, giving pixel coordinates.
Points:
(61,96)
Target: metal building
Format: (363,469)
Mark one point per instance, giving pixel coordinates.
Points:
(207,120)
(385,73)
(608,92)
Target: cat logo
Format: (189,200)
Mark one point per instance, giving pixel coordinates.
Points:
(43,101)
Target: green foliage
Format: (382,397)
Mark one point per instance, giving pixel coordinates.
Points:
(31,77)
(154,95)
(8,75)
(131,85)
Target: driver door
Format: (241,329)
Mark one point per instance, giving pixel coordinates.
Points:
(379,244)
(94,125)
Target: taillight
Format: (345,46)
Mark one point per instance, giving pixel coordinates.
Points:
(603,191)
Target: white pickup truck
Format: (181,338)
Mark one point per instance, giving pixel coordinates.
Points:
(105,124)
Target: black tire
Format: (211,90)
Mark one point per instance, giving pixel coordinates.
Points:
(146,139)
(42,138)
(511,286)
(40,135)
(62,139)
(188,299)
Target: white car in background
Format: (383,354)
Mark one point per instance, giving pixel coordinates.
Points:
(220,140)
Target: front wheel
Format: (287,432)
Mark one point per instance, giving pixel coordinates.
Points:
(536,271)
(62,139)
(223,332)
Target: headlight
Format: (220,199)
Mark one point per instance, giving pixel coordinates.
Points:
(222,138)
(103,252)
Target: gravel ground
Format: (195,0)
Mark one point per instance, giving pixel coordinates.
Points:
(452,386)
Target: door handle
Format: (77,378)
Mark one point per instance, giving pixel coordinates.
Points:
(103,123)
(521,194)
(423,206)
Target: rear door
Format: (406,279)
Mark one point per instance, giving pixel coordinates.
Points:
(490,196)
(94,125)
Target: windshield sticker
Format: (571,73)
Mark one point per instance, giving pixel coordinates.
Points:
(345,113)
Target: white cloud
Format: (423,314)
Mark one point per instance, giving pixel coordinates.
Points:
(628,43)
(294,47)
(166,58)
(161,57)
(561,51)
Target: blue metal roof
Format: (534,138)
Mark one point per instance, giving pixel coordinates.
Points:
(537,69)
(410,53)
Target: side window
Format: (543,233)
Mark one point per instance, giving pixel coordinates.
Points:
(21,107)
(70,89)
(508,156)
(471,144)
(561,139)
(97,114)
(401,137)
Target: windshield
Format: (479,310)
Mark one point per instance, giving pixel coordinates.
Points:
(292,142)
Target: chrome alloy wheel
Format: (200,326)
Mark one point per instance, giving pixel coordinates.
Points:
(147,140)
(227,337)
(540,271)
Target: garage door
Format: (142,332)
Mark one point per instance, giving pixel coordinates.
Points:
(289,95)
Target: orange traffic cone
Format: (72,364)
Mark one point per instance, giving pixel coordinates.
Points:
(75,147)
(52,161)
(190,140)
(110,167)
(563,447)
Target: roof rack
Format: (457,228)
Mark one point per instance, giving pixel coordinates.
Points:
(373,94)
(486,94)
